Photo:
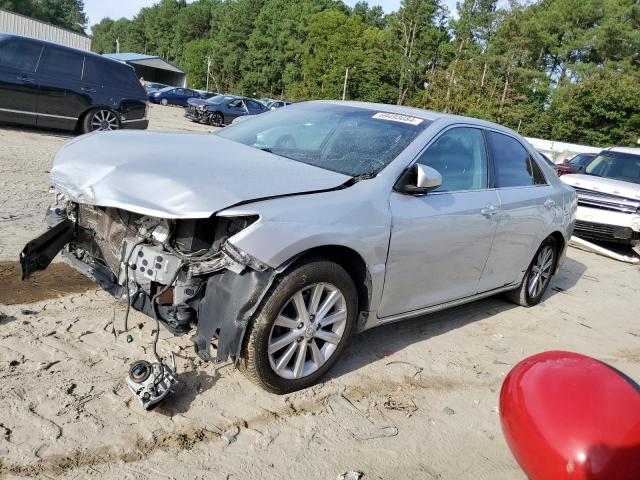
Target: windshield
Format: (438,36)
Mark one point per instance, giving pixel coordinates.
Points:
(615,165)
(580,160)
(349,140)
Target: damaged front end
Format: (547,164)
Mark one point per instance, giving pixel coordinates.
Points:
(183,272)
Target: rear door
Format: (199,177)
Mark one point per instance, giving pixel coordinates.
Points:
(528,206)
(63,95)
(18,86)
(254,108)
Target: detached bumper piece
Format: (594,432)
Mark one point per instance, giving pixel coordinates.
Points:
(39,252)
(606,233)
(229,302)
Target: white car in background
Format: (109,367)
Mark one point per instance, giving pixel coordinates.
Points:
(609,197)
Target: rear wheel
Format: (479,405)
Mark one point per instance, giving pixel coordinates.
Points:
(537,277)
(100,119)
(301,328)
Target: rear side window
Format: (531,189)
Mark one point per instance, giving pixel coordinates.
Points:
(19,54)
(59,62)
(514,167)
(460,156)
(109,74)
(254,105)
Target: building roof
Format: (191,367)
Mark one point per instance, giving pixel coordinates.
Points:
(145,60)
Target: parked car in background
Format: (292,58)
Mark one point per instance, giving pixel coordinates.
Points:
(222,109)
(47,85)
(559,168)
(608,189)
(284,234)
(173,96)
(273,104)
(578,162)
(152,87)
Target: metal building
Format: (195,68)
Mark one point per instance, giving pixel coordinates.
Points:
(19,24)
(152,68)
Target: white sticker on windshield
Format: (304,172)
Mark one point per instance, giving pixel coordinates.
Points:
(396,117)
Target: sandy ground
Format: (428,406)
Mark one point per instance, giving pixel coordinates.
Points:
(413,400)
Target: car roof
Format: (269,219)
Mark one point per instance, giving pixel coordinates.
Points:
(418,112)
(64,47)
(630,150)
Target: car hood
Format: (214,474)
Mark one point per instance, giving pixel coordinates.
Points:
(609,186)
(201,101)
(175,175)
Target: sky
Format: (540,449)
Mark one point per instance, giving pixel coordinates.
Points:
(98,9)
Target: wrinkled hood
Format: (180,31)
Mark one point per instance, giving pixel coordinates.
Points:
(174,175)
(603,185)
(198,101)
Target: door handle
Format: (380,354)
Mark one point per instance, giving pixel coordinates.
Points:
(549,203)
(490,210)
(25,79)
(88,90)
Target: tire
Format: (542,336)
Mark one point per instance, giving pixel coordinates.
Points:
(527,295)
(164,102)
(216,119)
(100,119)
(274,344)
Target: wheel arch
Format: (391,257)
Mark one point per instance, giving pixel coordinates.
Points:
(348,259)
(561,243)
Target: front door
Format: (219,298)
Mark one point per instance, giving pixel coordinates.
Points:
(440,241)
(18,85)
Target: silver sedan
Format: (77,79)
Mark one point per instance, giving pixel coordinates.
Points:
(282,235)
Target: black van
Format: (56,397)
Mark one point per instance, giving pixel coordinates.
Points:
(48,85)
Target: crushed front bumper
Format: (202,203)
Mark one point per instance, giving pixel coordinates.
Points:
(219,296)
(196,115)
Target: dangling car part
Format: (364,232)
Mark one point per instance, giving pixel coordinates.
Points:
(150,383)
(276,238)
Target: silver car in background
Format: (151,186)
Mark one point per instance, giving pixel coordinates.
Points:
(280,236)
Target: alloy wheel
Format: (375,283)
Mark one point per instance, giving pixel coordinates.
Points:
(307,331)
(104,120)
(216,119)
(540,271)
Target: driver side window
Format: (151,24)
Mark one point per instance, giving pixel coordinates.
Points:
(460,156)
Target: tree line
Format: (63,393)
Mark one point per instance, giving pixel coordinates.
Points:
(561,69)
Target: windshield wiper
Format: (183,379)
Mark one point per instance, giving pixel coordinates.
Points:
(364,176)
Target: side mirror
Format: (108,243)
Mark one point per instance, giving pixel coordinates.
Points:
(418,180)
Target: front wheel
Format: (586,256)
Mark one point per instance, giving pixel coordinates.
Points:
(164,102)
(537,277)
(301,328)
(216,119)
(100,119)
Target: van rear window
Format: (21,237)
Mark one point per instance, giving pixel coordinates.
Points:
(109,74)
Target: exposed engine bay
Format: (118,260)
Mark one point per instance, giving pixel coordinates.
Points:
(183,273)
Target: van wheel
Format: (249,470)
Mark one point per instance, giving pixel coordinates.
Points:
(537,277)
(301,327)
(100,119)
